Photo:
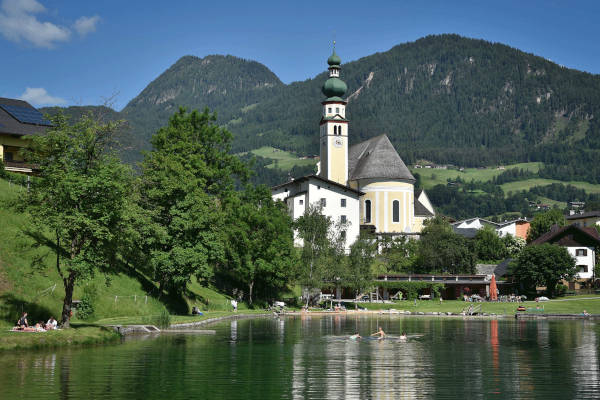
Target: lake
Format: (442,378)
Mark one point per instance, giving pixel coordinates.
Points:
(312,357)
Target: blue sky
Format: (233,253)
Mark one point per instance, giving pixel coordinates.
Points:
(83,52)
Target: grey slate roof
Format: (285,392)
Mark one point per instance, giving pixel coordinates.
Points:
(469,233)
(485,269)
(376,158)
(9,125)
(588,214)
(320,178)
(420,209)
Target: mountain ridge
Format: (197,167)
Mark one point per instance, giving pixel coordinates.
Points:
(443,97)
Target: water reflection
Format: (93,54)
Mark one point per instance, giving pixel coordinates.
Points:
(312,357)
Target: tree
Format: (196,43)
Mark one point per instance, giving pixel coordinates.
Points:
(260,243)
(359,275)
(322,245)
(513,245)
(79,199)
(543,265)
(488,245)
(186,179)
(400,254)
(542,223)
(441,250)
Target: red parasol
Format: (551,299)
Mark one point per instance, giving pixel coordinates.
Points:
(493,289)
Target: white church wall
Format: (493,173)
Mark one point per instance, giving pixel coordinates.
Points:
(333,195)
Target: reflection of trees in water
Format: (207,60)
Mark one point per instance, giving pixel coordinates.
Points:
(329,365)
(312,358)
(586,363)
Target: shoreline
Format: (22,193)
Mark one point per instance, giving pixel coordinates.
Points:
(99,335)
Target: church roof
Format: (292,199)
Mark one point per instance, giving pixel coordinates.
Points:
(420,209)
(376,158)
(319,178)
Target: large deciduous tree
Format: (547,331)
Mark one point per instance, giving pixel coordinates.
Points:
(359,274)
(543,265)
(321,255)
(78,202)
(441,250)
(488,245)
(186,179)
(542,223)
(260,250)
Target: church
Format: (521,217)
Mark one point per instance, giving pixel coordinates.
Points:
(366,186)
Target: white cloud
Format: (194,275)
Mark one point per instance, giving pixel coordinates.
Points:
(18,23)
(39,96)
(85,25)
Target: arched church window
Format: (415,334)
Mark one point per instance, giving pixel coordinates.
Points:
(395,211)
(335,130)
(367,211)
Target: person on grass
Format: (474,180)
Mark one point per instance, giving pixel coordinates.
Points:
(22,323)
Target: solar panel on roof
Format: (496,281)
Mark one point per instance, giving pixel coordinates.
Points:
(26,115)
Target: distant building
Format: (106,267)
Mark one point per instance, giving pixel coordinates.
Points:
(576,205)
(586,219)
(18,119)
(581,244)
(469,227)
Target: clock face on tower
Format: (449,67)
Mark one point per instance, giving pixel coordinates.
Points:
(337,142)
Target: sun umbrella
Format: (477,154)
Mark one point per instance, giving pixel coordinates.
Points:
(493,289)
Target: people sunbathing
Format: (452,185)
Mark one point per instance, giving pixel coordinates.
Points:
(23,325)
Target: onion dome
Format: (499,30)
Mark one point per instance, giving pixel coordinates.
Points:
(334,87)
(334,59)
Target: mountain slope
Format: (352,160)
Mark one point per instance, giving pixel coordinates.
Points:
(225,84)
(443,98)
(440,98)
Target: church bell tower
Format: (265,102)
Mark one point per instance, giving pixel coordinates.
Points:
(334,126)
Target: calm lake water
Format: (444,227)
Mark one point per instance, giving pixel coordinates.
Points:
(312,357)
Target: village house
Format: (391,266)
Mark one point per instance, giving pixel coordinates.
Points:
(581,243)
(469,227)
(18,119)
(586,219)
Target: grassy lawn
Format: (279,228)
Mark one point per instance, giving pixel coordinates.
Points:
(77,335)
(567,305)
(432,177)
(281,159)
(529,183)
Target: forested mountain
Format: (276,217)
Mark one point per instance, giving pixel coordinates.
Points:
(442,98)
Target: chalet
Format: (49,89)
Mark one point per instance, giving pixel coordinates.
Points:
(581,244)
(18,119)
(586,219)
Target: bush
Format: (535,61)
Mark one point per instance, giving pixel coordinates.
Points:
(561,290)
(3,173)
(163,320)
(85,309)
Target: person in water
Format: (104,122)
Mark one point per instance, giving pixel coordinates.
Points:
(403,336)
(379,333)
(356,336)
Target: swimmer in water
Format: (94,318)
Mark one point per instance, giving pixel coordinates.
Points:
(356,336)
(403,336)
(379,333)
